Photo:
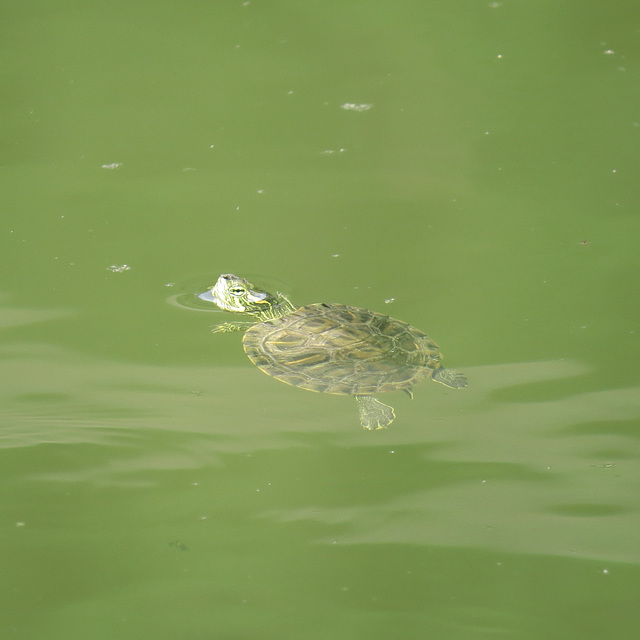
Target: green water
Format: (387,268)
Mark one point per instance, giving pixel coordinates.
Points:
(468,167)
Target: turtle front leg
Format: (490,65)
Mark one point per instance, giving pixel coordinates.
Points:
(374,414)
(228,327)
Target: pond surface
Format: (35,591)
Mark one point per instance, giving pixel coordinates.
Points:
(467,167)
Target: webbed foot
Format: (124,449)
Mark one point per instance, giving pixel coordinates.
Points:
(450,378)
(374,414)
(228,327)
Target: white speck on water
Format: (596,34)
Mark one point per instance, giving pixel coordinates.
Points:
(113,165)
(350,106)
(609,52)
(119,268)
(389,300)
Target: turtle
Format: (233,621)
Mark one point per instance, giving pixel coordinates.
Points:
(331,348)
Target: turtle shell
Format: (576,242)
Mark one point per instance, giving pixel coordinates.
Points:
(334,348)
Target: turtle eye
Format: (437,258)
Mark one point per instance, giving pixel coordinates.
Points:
(236,291)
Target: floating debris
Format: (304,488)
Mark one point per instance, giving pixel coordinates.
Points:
(350,106)
(118,268)
(113,165)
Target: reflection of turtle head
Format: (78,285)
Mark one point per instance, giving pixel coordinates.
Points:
(238,295)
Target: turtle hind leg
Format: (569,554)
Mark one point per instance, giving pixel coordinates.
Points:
(374,414)
(450,378)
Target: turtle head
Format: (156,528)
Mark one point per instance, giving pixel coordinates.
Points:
(235,294)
